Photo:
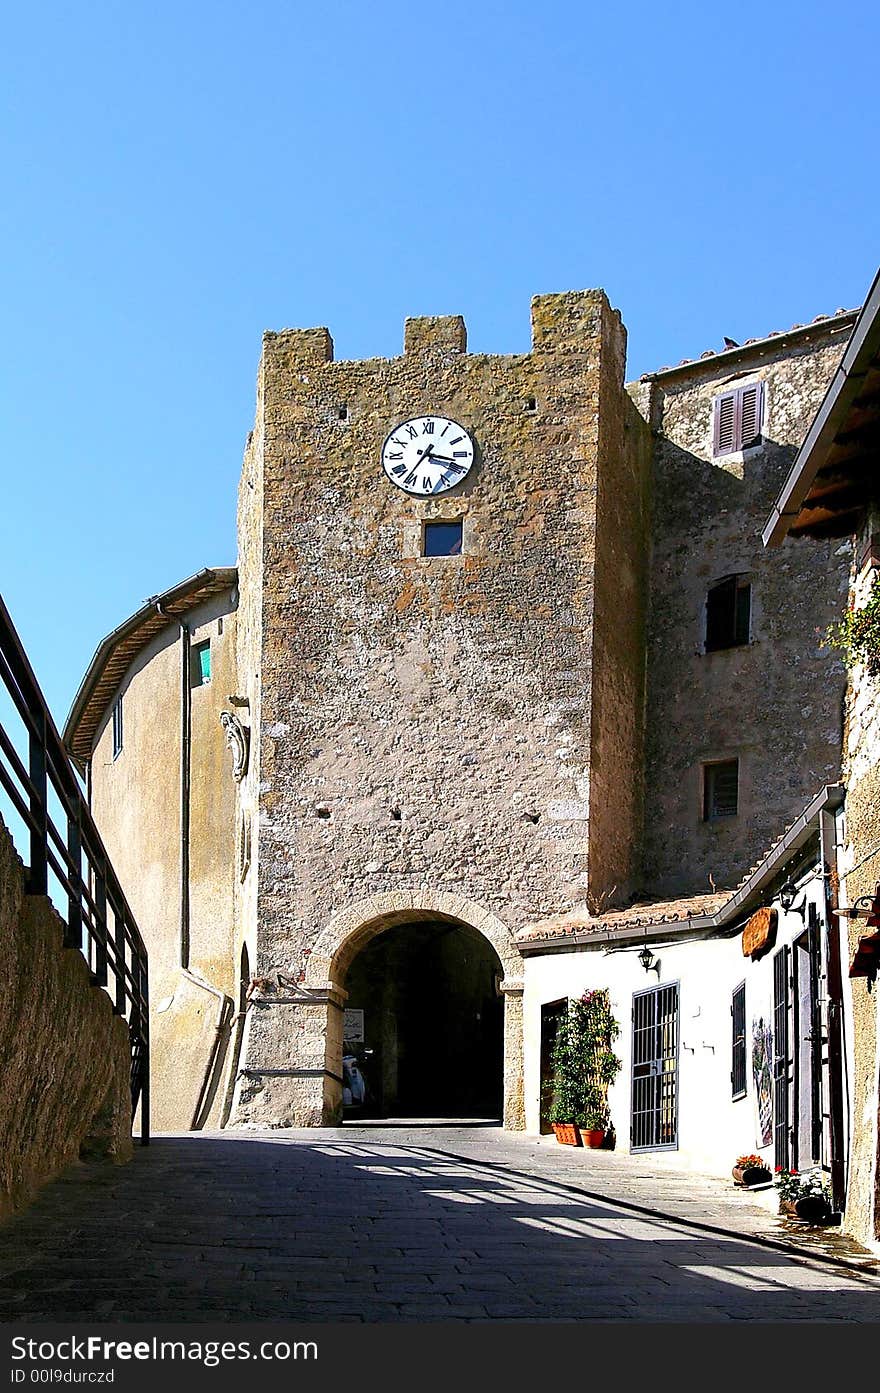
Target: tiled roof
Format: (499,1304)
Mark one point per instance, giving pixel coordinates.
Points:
(117,651)
(748,343)
(582,923)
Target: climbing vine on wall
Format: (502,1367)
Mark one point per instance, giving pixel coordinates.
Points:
(858,635)
(584,1062)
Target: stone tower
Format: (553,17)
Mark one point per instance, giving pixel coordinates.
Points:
(446,738)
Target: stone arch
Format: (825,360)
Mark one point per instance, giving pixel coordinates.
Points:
(352,928)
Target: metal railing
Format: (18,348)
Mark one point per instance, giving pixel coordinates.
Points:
(97,919)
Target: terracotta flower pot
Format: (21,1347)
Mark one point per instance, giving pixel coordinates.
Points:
(751,1175)
(566,1134)
(593,1137)
(813,1208)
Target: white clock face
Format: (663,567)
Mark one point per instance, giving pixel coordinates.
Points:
(427,455)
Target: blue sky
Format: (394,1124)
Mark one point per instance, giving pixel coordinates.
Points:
(176,178)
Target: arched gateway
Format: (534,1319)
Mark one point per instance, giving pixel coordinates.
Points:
(338,952)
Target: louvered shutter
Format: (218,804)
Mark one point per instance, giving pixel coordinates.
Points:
(743,617)
(721,790)
(726,789)
(738,418)
(725,424)
(750,404)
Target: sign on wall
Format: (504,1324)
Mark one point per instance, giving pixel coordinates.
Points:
(353,1027)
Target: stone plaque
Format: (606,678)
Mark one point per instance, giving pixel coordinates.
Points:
(353,1029)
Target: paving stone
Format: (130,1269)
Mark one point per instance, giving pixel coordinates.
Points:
(209,1227)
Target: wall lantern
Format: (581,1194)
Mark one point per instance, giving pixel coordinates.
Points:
(648,961)
(866,961)
(787,897)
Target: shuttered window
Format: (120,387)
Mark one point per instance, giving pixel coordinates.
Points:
(117,727)
(738,418)
(728,613)
(738,1073)
(200,663)
(720,789)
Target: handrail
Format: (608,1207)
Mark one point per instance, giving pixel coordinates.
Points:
(98,921)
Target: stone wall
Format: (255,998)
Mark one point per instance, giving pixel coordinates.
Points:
(775,703)
(64,1055)
(861,852)
(428,724)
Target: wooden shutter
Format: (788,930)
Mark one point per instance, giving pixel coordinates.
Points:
(750,404)
(721,790)
(743,614)
(780,1059)
(738,418)
(725,424)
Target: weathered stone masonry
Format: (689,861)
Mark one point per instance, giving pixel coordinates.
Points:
(489,739)
(457,691)
(774,703)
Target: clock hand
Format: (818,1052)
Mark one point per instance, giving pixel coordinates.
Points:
(444,459)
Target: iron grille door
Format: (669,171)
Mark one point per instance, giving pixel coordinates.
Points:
(782,1153)
(654,1112)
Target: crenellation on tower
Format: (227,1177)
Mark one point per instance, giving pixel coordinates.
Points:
(432,333)
(474,676)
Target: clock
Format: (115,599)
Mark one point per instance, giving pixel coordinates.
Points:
(427,455)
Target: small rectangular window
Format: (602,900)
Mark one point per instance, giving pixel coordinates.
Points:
(720,789)
(728,613)
(738,1072)
(117,727)
(443,538)
(737,419)
(200,663)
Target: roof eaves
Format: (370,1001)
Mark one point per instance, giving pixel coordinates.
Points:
(731,357)
(862,348)
(194,586)
(797,835)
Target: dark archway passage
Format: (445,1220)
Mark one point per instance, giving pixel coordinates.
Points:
(433,1023)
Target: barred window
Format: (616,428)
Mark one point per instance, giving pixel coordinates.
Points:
(117,727)
(738,1073)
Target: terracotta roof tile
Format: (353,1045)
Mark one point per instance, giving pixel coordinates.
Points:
(648,915)
(773,334)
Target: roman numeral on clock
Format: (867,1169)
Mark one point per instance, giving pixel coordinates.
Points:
(428,427)
(394,454)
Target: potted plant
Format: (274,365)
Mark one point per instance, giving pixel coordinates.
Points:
(804,1196)
(584,1064)
(751,1170)
(564,1106)
(592,1119)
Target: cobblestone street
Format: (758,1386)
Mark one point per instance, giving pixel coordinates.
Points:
(414,1224)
